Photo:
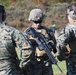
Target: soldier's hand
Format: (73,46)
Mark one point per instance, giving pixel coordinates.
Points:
(63,56)
(54,50)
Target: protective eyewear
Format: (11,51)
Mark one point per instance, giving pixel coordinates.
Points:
(37,21)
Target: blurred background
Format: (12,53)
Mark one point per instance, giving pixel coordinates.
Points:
(18,12)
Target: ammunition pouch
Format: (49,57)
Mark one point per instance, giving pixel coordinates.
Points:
(40,54)
(64,52)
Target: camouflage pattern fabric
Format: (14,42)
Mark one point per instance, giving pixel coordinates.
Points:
(71,64)
(39,68)
(36,14)
(9,39)
(36,66)
(68,37)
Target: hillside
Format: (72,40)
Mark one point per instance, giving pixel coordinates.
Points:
(18,12)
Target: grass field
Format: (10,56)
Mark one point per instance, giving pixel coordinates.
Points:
(56,71)
(62,65)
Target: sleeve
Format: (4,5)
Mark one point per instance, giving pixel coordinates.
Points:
(25,48)
(62,41)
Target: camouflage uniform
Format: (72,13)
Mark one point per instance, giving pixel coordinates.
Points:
(66,41)
(68,36)
(37,58)
(9,39)
(36,66)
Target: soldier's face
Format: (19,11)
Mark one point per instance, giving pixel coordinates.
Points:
(70,19)
(67,13)
(37,24)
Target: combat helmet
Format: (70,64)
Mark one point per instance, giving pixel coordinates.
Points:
(36,15)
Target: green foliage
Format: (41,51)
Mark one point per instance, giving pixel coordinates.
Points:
(62,65)
(5,2)
(18,11)
(49,7)
(18,24)
(21,3)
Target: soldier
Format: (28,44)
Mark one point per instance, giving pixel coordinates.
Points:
(38,57)
(68,37)
(10,38)
(71,7)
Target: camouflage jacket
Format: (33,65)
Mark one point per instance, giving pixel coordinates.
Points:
(49,36)
(67,37)
(10,38)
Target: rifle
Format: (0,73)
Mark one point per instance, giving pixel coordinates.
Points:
(43,44)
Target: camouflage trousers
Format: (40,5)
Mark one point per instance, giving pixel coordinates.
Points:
(71,65)
(39,68)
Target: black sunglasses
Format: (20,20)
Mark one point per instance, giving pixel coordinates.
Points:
(37,21)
